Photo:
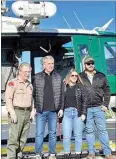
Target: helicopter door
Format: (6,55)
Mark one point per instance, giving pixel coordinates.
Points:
(108,47)
(103,49)
(86,45)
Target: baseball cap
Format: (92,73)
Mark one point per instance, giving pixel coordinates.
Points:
(88,59)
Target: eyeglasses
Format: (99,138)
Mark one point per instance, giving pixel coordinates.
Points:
(92,63)
(74,75)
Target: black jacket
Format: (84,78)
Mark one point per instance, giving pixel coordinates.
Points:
(98,93)
(38,90)
(80,98)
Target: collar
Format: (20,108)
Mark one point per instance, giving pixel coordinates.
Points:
(85,72)
(21,81)
(93,73)
(48,74)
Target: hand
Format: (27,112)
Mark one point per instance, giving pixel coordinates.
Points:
(60,113)
(13,118)
(65,81)
(32,115)
(82,117)
(104,108)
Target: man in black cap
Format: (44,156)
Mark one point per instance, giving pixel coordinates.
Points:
(98,98)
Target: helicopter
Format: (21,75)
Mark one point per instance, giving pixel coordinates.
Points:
(21,34)
(69,47)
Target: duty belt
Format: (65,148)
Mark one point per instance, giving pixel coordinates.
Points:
(23,108)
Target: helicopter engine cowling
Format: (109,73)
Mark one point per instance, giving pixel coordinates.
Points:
(31,10)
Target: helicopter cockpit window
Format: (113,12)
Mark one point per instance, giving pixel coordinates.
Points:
(66,61)
(7,57)
(83,52)
(110,56)
(7,71)
(37,64)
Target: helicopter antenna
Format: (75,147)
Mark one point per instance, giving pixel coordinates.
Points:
(66,22)
(78,20)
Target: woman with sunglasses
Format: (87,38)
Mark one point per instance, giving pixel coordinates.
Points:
(74,113)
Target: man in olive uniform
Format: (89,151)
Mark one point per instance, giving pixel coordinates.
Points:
(19,103)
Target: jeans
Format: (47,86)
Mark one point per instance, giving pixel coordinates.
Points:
(41,120)
(71,122)
(96,116)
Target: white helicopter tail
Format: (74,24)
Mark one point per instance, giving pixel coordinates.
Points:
(104,27)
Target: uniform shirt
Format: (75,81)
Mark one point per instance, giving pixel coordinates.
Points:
(70,97)
(18,93)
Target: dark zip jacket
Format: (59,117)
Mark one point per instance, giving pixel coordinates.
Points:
(98,93)
(38,90)
(81,97)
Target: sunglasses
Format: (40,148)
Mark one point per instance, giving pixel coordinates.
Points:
(91,63)
(74,75)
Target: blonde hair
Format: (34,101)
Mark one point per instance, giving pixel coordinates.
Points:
(67,78)
(49,57)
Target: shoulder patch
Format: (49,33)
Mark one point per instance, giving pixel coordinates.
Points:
(11,83)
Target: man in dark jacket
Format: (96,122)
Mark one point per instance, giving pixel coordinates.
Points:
(47,95)
(98,98)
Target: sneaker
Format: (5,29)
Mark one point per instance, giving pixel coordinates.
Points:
(67,156)
(110,157)
(91,156)
(77,156)
(52,157)
(38,157)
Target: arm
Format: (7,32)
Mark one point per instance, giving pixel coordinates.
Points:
(60,113)
(62,95)
(106,90)
(33,111)
(84,97)
(9,94)
(32,100)
(34,90)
